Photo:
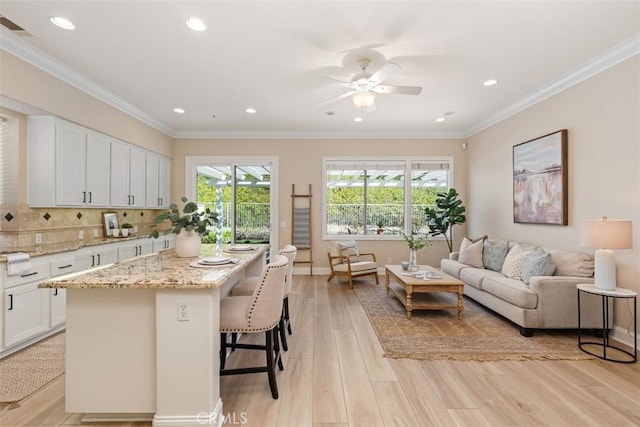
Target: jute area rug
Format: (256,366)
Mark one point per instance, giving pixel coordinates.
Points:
(26,371)
(481,335)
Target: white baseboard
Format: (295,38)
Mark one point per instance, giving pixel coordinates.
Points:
(213,418)
(622,335)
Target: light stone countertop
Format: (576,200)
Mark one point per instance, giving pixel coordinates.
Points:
(158,270)
(55,248)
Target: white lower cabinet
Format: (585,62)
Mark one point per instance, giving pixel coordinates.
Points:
(164,242)
(57,307)
(58,297)
(134,248)
(26,312)
(96,256)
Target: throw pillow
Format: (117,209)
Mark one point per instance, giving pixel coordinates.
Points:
(349,248)
(494,253)
(539,263)
(471,253)
(513,262)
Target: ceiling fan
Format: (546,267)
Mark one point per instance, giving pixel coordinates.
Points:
(365,86)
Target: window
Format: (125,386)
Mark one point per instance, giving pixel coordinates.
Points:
(373,197)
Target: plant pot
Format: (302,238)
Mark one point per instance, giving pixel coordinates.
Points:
(115,232)
(188,244)
(125,232)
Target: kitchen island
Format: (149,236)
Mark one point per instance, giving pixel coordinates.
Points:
(143,339)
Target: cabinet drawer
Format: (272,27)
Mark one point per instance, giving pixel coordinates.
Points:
(63,266)
(37,272)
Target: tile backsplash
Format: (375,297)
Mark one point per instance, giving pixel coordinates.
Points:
(19,225)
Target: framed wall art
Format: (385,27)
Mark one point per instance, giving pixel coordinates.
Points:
(540,180)
(110,223)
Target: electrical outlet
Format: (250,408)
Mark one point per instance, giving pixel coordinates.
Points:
(389,260)
(96,232)
(38,238)
(80,234)
(183,311)
(283,224)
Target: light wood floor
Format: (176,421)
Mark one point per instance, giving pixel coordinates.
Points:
(335,375)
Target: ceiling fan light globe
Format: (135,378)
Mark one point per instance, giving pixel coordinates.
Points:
(363,99)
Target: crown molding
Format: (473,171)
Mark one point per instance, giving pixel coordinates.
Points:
(16,46)
(607,59)
(318,135)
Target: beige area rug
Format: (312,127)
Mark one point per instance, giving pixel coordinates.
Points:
(482,335)
(26,371)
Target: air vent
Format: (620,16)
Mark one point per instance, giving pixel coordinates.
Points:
(7,23)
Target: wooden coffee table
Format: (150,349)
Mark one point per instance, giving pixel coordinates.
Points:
(412,291)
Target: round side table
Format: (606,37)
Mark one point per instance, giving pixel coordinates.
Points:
(606,344)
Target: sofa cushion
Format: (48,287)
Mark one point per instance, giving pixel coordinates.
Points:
(349,248)
(539,263)
(471,253)
(511,290)
(513,262)
(571,263)
(493,254)
(452,268)
(474,276)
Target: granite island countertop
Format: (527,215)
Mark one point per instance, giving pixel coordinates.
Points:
(160,270)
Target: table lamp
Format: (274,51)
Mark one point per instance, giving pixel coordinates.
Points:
(605,235)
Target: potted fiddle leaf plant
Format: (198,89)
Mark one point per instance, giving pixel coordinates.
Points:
(449,211)
(188,225)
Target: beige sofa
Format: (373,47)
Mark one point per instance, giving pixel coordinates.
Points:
(546,302)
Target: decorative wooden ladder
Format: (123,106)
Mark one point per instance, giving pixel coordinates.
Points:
(301,225)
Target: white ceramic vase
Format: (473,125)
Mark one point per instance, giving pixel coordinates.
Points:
(188,244)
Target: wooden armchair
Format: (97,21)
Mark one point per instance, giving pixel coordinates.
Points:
(346,260)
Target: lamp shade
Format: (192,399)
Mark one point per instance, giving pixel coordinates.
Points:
(606,234)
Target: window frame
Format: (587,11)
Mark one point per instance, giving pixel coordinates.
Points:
(408,161)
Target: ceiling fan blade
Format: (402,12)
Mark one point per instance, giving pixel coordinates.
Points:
(336,99)
(331,80)
(400,90)
(387,70)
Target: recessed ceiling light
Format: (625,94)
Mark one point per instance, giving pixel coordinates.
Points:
(251,110)
(440,119)
(178,110)
(61,22)
(196,24)
(490,82)
(357,119)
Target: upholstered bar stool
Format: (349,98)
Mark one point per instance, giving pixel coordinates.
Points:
(247,285)
(255,313)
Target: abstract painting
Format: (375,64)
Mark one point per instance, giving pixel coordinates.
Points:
(540,180)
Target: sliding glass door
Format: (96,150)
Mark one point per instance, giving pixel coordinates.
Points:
(240,191)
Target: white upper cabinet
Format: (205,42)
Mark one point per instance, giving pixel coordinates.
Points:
(158,181)
(128,175)
(70,165)
(98,169)
(79,172)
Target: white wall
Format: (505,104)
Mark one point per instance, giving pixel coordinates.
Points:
(602,115)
